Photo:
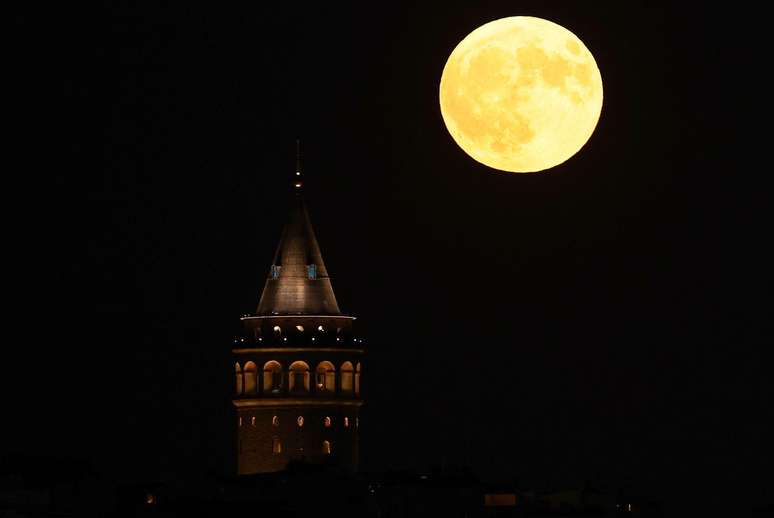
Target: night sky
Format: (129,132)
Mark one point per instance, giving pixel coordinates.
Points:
(601,322)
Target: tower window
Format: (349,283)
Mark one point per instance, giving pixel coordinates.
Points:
(347,378)
(240,421)
(327,422)
(277,329)
(272,377)
(275,421)
(276,445)
(299,377)
(300,421)
(275,271)
(346,422)
(311,271)
(252,421)
(326,377)
(326,447)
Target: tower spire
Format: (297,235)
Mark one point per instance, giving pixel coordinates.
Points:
(298,282)
(298,182)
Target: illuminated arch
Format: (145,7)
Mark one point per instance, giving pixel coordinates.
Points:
(272,377)
(238,385)
(325,377)
(326,447)
(347,376)
(299,377)
(357,379)
(251,378)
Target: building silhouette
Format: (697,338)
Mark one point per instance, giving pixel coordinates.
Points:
(298,365)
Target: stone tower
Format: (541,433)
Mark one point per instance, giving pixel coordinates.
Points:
(298,365)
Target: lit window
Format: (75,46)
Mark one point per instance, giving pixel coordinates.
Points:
(347,378)
(300,329)
(326,377)
(275,421)
(299,377)
(326,447)
(320,328)
(150,499)
(311,271)
(240,421)
(252,421)
(272,377)
(346,422)
(277,329)
(238,372)
(357,422)
(300,421)
(251,378)
(275,271)
(276,445)
(327,422)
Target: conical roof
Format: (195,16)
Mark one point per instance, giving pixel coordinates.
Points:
(298,282)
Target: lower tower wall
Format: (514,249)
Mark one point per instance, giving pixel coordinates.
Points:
(269,437)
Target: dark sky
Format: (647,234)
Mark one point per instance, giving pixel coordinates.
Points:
(604,321)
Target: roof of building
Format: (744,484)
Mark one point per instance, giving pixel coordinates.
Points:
(298,282)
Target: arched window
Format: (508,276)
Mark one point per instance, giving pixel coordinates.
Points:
(275,421)
(325,377)
(326,447)
(327,422)
(299,377)
(300,421)
(251,378)
(357,379)
(272,377)
(346,422)
(238,386)
(252,421)
(276,445)
(346,378)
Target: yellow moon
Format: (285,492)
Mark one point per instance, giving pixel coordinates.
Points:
(521,94)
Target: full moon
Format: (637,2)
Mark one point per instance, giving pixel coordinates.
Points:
(521,94)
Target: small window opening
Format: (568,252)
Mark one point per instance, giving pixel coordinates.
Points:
(300,329)
(346,422)
(276,445)
(252,421)
(275,421)
(311,271)
(326,447)
(275,271)
(300,421)
(240,421)
(327,422)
